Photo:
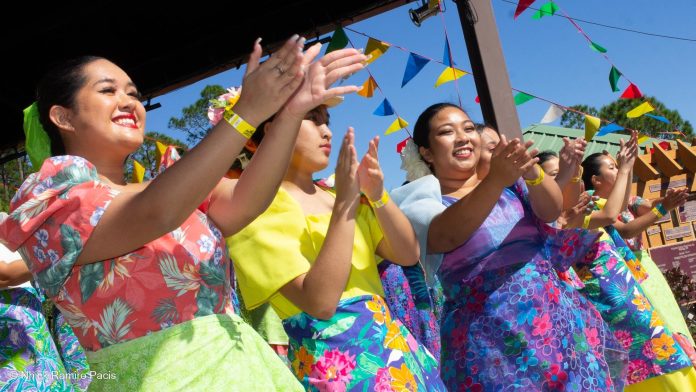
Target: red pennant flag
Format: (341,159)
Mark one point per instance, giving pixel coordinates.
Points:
(631,92)
(477,100)
(521,6)
(401,145)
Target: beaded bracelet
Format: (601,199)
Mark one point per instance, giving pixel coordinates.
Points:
(381,202)
(577,178)
(239,124)
(537,180)
(659,210)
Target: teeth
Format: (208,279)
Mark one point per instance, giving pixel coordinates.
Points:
(125,121)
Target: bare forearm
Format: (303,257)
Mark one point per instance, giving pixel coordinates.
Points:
(14,273)
(571,194)
(617,197)
(635,227)
(546,200)
(399,244)
(466,215)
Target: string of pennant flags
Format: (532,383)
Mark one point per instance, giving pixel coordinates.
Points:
(416,62)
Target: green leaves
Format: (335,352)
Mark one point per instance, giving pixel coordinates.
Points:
(335,326)
(91,275)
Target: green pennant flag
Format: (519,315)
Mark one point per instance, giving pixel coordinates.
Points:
(521,98)
(339,40)
(547,9)
(593,46)
(614,76)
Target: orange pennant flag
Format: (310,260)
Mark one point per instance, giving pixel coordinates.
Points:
(448,75)
(138,172)
(368,88)
(375,49)
(399,123)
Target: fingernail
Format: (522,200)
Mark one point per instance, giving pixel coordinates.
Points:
(361,50)
(258,40)
(360,88)
(294,37)
(367,58)
(301,42)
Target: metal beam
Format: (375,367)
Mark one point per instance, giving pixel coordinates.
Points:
(488,66)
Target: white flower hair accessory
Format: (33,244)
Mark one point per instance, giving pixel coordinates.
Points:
(223,102)
(412,162)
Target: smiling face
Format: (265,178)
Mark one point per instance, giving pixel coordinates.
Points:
(454,144)
(313,145)
(604,181)
(489,139)
(107,118)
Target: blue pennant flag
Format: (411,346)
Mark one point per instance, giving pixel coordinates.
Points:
(609,128)
(446,56)
(658,118)
(413,66)
(384,109)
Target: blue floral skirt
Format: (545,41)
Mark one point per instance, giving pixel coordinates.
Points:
(360,348)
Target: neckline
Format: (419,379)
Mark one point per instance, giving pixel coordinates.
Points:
(299,206)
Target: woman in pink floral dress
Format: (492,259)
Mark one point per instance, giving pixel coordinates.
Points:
(140,274)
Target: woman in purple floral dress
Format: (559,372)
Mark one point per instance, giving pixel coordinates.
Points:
(508,322)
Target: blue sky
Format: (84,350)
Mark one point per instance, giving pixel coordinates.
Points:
(546,57)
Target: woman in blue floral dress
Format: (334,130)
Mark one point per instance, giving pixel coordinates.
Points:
(508,322)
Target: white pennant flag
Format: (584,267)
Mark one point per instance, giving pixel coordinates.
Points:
(552,114)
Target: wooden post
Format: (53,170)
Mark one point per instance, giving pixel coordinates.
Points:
(488,66)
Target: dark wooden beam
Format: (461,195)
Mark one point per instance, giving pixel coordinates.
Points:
(488,66)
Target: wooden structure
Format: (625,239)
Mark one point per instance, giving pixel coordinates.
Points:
(671,240)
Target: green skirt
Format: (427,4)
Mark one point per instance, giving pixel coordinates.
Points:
(216,352)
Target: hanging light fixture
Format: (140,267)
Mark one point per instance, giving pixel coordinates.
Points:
(427,9)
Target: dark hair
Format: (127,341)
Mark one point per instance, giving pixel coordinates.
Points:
(59,86)
(480,127)
(590,167)
(422,128)
(546,155)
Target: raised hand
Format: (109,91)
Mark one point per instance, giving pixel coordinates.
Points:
(510,160)
(267,87)
(347,185)
(316,86)
(628,152)
(370,174)
(674,198)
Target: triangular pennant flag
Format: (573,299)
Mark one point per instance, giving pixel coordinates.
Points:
(138,172)
(375,48)
(368,88)
(597,48)
(448,75)
(160,149)
(339,40)
(521,6)
(399,123)
(591,126)
(631,92)
(609,128)
(521,98)
(659,118)
(477,99)
(414,64)
(402,145)
(547,9)
(642,138)
(552,114)
(384,109)
(640,110)
(614,76)
(446,57)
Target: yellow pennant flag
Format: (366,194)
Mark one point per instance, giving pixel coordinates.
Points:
(640,110)
(160,149)
(448,75)
(399,123)
(642,138)
(138,172)
(591,126)
(368,88)
(375,48)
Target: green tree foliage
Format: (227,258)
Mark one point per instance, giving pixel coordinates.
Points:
(616,112)
(147,153)
(571,119)
(194,118)
(12,174)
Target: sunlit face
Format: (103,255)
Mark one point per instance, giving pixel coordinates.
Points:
(313,145)
(550,167)
(608,170)
(108,116)
(454,144)
(489,139)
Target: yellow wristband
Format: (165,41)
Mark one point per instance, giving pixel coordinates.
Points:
(239,124)
(577,178)
(657,212)
(537,180)
(586,222)
(381,202)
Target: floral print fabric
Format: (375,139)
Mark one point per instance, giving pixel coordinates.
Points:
(509,323)
(177,277)
(362,347)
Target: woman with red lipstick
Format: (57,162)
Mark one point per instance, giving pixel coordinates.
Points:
(313,255)
(140,274)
